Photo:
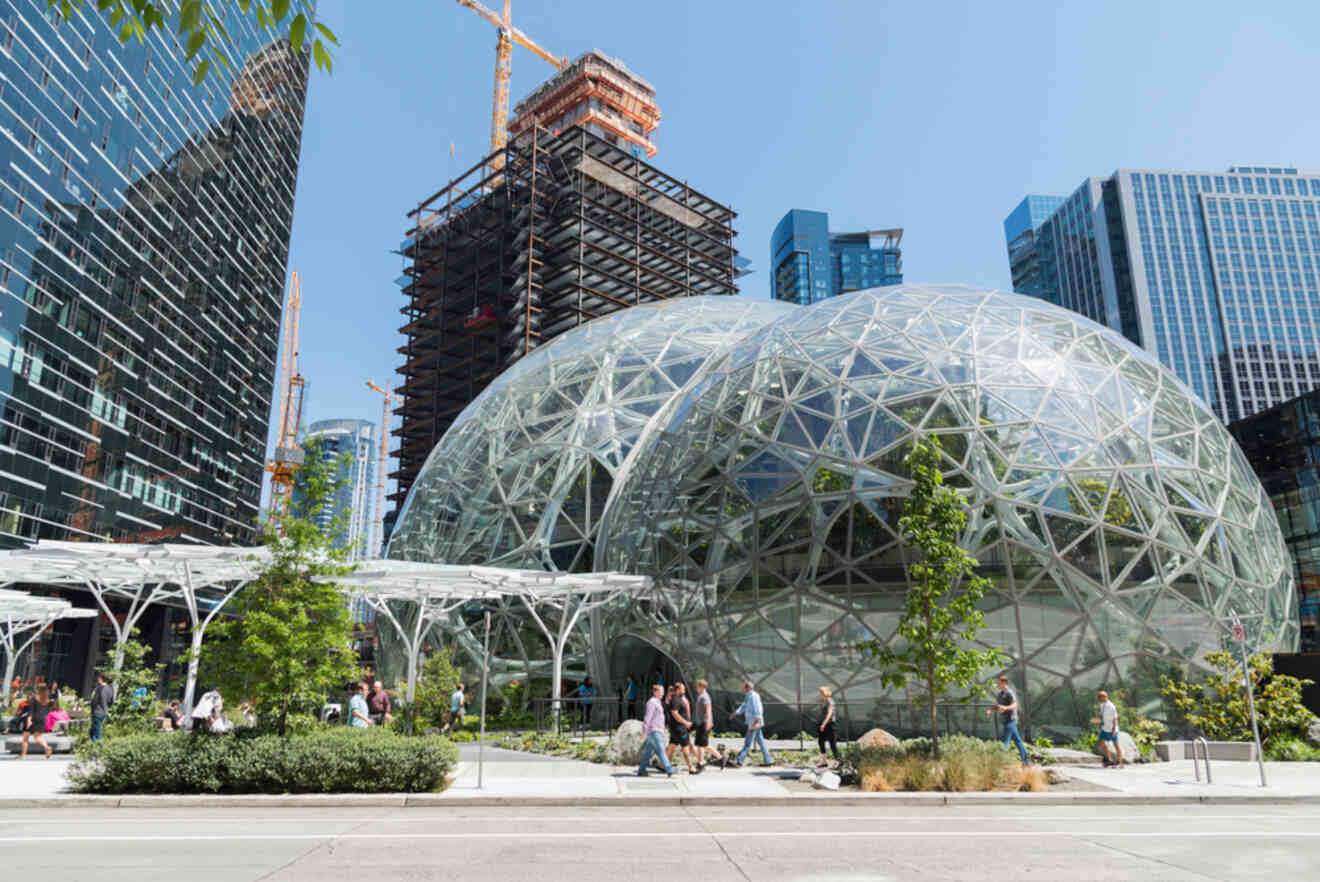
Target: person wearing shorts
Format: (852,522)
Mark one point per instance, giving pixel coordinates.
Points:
(702,724)
(680,725)
(1108,721)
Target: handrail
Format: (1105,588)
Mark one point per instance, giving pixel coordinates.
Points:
(1196,769)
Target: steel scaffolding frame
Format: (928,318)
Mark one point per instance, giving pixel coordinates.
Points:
(566,228)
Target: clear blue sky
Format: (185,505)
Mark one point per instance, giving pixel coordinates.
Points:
(936,117)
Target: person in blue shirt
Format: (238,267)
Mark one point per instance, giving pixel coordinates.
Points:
(456,709)
(752,711)
(585,693)
(358,716)
(630,696)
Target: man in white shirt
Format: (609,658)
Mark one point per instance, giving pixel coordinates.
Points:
(1109,731)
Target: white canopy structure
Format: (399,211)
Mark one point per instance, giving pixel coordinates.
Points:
(439,589)
(201,578)
(21,613)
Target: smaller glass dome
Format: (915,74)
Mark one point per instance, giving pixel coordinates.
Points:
(522,476)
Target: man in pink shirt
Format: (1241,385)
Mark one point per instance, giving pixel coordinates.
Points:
(653,729)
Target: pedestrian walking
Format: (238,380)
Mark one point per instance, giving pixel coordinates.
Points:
(630,696)
(37,708)
(680,726)
(653,730)
(585,694)
(703,723)
(359,714)
(752,711)
(206,711)
(826,729)
(456,709)
(1006,704)
(1108,721)
(378,704)
(103,695)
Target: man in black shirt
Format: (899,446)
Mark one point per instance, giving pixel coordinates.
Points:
(1007,705)
(103,695)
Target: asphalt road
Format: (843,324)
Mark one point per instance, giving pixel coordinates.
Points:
(1228,842)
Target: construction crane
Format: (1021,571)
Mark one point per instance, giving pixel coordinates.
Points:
(390,398)
(508,35)
(289,454)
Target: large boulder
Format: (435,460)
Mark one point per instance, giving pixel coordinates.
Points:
(1313,732)
(1126,743)
(625,747)
(877,738)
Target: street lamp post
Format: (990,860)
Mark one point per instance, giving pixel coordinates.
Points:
(485,666)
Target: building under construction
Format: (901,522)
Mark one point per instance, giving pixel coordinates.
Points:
(566,223)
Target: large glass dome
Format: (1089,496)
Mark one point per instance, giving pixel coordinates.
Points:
(522,476)
(1117,519)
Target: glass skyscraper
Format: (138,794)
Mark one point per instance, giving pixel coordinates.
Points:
(353,444)
(144,235)
(808,263)
(1215,273)
(1020,230)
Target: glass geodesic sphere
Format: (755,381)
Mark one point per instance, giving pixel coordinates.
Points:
(521,477)
(1118,521)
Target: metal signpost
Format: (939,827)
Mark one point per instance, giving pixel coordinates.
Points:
(1239,633)
(485,666)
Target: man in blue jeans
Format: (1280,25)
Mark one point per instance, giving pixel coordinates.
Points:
(653,729)
(102,697)
(1007,705)
(752,711)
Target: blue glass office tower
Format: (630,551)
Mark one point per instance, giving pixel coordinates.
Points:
(353,445)
(144,234)
(809,263)
(1020,231)
(1216,273)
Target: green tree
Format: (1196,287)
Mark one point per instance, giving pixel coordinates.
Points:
(438,681)
(1217,705)
(288,643)
(131,710)
(941,614)
(201,30)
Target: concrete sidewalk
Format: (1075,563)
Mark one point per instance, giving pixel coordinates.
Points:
(513,778)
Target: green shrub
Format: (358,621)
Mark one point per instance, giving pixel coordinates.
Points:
(437,681)
(335,760)
(1216,705)
(1291,750)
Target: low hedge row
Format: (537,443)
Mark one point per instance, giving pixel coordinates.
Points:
(334,761)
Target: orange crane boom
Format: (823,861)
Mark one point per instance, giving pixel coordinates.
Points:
(378,548)
(508,35)
(288,454)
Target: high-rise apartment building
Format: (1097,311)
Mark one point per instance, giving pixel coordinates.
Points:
(566,223)
(809,263)
(1214,272)
(144,234)
(351,444)
(1020,231)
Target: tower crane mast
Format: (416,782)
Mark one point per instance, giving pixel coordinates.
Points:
(289,454)
(508,35)
(378,548)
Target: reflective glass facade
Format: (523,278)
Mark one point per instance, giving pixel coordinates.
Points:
(809,263)
(1283,446)
(144,232)
(354,446)
(1215,273)
(1020,231)
(1116,518)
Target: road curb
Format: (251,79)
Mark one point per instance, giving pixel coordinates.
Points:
(434,800)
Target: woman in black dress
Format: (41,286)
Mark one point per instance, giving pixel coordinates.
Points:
(38,707)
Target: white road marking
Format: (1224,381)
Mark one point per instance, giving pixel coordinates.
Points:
(739,834)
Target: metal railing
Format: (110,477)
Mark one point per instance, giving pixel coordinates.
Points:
(1196,769)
